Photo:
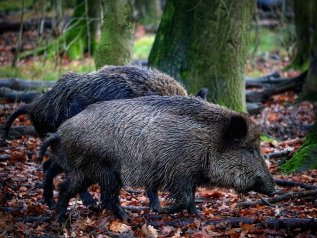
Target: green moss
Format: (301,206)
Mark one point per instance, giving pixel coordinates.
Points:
(303,160)
(266,138)
(306,157)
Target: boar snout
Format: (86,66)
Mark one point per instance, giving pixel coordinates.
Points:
(265,186)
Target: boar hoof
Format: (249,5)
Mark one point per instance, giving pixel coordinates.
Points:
(192,210)
(51,203)
(155,207)
(87,199)
(120,213)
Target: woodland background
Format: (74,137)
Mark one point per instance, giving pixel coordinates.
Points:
(254,56)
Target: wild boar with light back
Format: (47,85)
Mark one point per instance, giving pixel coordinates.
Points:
(160,143)
(74,92)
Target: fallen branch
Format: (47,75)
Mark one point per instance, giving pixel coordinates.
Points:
(233,222)
(18,96)
(279,154)
(269,89)
(270,78)
(287,183)
(292,142)
(254,108)
(18,131)
(277,199)
(21,84)
(31,219)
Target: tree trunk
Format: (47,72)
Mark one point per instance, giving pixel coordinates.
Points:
(80,34)
(117,34)
(203,44)
(305,158)
(305,15)
(310,84)
(149,12)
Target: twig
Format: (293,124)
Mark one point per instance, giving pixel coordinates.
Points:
(277,199)
(287,183)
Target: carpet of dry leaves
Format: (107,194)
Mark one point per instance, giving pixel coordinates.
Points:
(23,213)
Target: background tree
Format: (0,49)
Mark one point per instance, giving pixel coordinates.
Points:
(305,17)
(306,157)
(148,12)
(117,33)
(203,44)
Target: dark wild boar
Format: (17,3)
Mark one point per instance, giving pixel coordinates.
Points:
(74,92)
(160,143)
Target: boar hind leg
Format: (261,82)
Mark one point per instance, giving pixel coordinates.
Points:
(70,187)
(87,199)
(154,199)
(110,183)
(184,200)
(52,171)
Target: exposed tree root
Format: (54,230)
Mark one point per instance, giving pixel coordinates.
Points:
(287,183)
(277,199)
(18,96)
(21,84)
(282,223)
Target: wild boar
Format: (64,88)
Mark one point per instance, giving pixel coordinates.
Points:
(159,143)
(74,92)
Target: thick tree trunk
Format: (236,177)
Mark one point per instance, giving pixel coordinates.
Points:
(117,34)
(203,44)
(80,34)
(305,15)
(306,157)
(310,84)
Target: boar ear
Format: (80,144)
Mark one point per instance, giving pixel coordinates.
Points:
(237,129)
(202,93)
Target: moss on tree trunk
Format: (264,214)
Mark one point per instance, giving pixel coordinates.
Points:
(203,44)
(117,34)
(306,157)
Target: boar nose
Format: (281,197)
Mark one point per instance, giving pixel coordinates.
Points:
(273,192)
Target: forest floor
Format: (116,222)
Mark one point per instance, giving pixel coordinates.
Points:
(224,213)
(284,123)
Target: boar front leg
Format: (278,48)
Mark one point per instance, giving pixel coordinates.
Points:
(184,199)
(154,199)
(70,187)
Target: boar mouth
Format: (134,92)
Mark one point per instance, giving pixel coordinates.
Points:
(263,187)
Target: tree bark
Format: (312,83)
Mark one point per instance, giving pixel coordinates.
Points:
(203,44)
(305,16)
(305,158)
(117,37)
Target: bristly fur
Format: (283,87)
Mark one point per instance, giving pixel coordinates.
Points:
(169,143)
(74,92)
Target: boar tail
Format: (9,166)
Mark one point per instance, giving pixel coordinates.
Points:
(50,140)
(24,109)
